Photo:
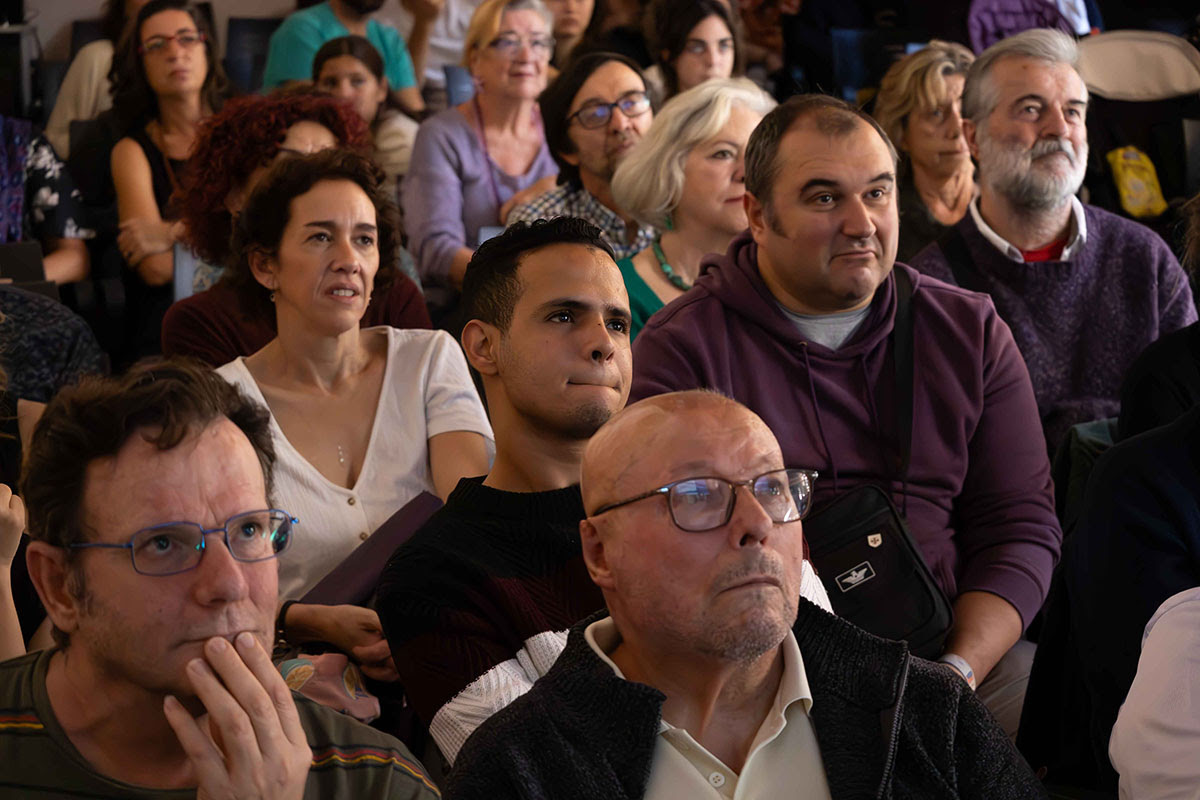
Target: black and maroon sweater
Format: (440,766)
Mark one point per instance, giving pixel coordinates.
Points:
(477,604)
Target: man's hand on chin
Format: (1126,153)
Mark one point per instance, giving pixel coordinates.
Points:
(253,745)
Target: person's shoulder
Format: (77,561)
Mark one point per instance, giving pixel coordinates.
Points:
(938,293)
(410,342)
(17,677)
(317,17)
(95,54)
(550,203)
(1113,229)
(364,756)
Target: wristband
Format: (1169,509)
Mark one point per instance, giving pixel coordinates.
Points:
(960,664)
(281,623)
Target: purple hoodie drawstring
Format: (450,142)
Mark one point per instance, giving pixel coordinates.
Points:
(812,395)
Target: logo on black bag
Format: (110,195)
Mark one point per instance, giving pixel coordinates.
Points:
(855,576)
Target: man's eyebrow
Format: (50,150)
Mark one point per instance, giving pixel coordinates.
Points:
(830,183)
(574,304)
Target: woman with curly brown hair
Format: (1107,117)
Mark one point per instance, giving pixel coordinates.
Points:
(364,419)
(166,78)
(233,150)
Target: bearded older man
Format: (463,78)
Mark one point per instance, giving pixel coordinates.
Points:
(1083,290)
(710,676)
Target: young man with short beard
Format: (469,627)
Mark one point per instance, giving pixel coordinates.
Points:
(1083,290)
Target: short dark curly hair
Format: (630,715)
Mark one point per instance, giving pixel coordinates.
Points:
(245,135)
(260,226)
(491,287)
(134,102)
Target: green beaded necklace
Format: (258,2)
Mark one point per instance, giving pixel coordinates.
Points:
(677,281)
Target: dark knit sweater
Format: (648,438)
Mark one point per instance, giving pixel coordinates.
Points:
(487,572)
(1080,323)
(889,725)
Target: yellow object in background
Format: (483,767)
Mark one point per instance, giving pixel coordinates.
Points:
(1137,182)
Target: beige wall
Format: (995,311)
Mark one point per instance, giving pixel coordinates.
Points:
(54,18)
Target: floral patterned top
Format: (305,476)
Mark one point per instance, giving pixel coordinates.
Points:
(53,206)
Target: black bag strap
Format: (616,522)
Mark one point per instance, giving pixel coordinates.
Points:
(954,248)
(902,355)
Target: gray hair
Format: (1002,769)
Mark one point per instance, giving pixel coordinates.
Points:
(980,95)
(648,184)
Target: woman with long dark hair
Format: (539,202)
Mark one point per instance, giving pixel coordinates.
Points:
(166,78)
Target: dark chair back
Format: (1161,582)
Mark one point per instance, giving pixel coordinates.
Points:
(85,31)
(246,42)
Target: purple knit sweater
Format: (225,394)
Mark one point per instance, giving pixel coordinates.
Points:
(1080,323)
(978,497)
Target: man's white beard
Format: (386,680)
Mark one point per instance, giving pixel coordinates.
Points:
(1014,172)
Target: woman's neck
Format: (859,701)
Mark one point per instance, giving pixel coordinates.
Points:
(179,115)
(563,45)
(506,116)
(950,193)
(301,357)
(686,245)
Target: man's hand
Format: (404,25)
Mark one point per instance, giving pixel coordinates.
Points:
(142,237)
(254,746)
(353,630)
(12,524)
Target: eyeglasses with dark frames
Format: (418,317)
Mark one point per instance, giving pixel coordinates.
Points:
(174,547)
(705,503)
(158,44)
(597,115)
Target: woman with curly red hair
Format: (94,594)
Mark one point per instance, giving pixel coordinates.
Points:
(234,149)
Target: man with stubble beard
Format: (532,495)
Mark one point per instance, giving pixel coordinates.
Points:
(1084,291)
(594,112)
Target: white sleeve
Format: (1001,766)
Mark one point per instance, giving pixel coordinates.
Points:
(493,690)
(1155,744)
(83,95)
(451,402)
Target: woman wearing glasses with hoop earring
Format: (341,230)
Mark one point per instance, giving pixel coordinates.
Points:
(470,161)
(166,78)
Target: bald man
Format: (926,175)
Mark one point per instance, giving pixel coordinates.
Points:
(710,669)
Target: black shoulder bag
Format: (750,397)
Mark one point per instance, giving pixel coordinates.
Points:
(864,553)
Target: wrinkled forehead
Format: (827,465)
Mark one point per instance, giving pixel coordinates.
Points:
(207,477)
(654,445)
(1016,77)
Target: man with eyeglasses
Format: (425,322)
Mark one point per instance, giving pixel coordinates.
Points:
(154,546)
(594,113)
(710,675)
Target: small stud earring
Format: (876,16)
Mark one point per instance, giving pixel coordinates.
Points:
(272,296)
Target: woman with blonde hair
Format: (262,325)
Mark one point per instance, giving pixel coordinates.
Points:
(687,177)
(469,161)
(919,105)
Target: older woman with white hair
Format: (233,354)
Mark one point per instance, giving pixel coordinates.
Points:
(687,177)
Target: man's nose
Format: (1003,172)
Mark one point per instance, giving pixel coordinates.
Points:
(858,224)
(219,577)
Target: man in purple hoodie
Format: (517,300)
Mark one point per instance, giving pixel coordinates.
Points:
(795,321)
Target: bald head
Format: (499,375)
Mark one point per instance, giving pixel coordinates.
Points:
(642,438)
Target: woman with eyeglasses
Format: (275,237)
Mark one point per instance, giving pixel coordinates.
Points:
(692,41)
(471,161)
(351,69)
(166,79)
(686,178)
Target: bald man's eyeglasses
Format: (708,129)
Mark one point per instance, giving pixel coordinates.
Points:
(705,503)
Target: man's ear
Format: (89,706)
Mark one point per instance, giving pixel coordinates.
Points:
(969,131)
(480,341)
(263,266)
(756,216)
(594,554)
(51,576)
